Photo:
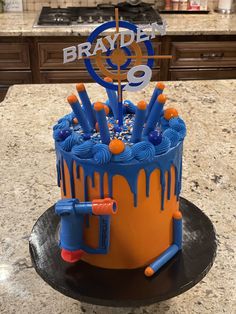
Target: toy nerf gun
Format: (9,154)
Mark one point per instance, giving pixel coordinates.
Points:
(73,214)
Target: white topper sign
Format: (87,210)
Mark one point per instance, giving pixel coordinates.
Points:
(13,6)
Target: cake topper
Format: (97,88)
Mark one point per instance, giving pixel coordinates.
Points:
(114,54)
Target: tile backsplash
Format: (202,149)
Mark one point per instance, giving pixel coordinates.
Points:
(36,5)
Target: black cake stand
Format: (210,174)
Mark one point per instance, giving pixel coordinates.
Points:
(94,285)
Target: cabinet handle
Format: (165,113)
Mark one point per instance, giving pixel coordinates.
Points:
(212,55)
(4,86)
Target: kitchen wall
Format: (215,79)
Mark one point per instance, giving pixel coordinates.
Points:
(35,5)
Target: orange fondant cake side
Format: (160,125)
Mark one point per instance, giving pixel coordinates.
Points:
(138,234)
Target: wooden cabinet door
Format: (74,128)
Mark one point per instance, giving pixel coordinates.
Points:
(203,54)
(8,78)
(14,56)
(51,56)
(202,74)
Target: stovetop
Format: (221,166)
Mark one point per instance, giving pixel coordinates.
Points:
(140,15)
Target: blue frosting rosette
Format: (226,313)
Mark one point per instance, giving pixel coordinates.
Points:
(164,123)
(178,125)
(83,150)
(101,154)
(69,117)
(163,147)
(172,135)
(63,124)
(143,151)
(125,156)
(70,141)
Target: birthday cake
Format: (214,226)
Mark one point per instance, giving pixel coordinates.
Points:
(120,181)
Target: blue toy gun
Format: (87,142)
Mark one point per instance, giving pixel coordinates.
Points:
(72,213)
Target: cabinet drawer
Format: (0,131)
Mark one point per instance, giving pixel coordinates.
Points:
(64,77)
(8,78)
(14,56)
(76,76)
(203,54)
(202,74)
(51,56)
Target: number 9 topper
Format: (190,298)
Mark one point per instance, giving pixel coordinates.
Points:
(121,58)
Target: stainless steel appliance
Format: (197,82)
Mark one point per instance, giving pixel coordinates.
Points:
(139,14)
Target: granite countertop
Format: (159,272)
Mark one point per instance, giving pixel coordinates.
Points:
(28,187)
(21,24)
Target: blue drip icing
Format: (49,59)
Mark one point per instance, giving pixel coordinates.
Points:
(110,190)
(58,172)
(101,185)
(169,184)
(130,173)
(77,171)
(148,173)
(180,182)
(85,188)
(176,180)
(163,185)
(72,185)
(63,176)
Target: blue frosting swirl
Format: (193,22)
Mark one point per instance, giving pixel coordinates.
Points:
(56,134)
(163,147)
(182,133)
(143,151)
(63,124)
(125,156)
(164,123)
(172,135)
(68,117)
(83,150)
(178,125)
(101,152)
(70,141)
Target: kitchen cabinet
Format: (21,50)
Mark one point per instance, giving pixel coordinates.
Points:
(194,57)
(202,57)
(40,59)
(15,65)
(52,69)
(202,74)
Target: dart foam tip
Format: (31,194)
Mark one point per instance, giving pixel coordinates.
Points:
(177,215)
(148,271)
(108,79)
(142,105)
(71,256)
(160,85)
(162,98)
(170,113)
(80,87)
(75,121)
(72,99)
(98,106)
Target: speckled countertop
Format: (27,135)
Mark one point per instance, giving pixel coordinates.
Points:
(28,187)
(21,24)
